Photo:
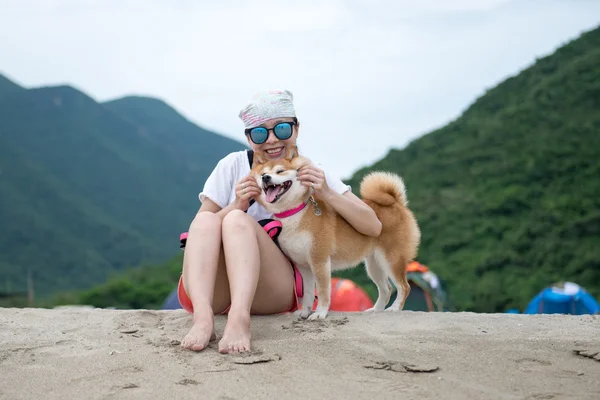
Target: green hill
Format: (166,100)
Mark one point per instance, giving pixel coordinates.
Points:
(90,188)
(507,195)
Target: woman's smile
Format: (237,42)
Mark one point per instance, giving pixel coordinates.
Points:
(274,152)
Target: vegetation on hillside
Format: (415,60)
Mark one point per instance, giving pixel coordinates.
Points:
(139,287)
(508,195)
(90,188)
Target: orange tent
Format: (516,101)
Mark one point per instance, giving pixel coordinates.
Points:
(415,266)
(347,296)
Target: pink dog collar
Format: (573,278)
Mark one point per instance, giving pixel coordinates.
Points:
(290,212)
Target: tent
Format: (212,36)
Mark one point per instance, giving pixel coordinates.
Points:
(426,290)
(563,298)
(345,296)
(172,301)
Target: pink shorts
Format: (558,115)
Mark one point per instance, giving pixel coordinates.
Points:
(272,228)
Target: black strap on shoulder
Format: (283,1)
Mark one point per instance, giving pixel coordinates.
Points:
(250,154)
(250,157)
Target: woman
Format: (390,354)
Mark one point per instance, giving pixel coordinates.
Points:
(231,265)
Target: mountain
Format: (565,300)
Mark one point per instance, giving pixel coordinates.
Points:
(178,137)
(8,87)
(89,188)
(507,195)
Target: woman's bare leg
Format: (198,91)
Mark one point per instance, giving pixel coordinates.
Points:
(207,281)
(260,278)
(200,270)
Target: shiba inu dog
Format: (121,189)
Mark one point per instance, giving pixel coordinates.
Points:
(320,241)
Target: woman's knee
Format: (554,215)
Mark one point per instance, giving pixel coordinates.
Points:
(206,221)
(237,220)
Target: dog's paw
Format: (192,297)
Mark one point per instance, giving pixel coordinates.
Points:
(374,309)
(392,308)
(319,314)
(304,313)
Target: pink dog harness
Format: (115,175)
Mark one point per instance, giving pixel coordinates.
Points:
(273,229)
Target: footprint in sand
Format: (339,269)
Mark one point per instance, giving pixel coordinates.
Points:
(117,388)
(129,369)
(66,342)
(255,358)
(126,386)
(543,396)
(129,386)
(133,324)
(163,342)
(591,354)
(315,326)
(531,364)
(33,352)
(187,381)
(399,366)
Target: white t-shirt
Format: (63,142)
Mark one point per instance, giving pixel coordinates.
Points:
(220,185)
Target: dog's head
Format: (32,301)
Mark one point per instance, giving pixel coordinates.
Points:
(281,190)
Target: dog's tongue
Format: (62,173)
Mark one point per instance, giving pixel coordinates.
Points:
(272,192)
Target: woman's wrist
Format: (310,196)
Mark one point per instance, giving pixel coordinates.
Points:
(222,213)
(328,195)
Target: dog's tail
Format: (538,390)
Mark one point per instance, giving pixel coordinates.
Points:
(383,188)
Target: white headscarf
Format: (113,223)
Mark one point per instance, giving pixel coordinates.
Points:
(266,105)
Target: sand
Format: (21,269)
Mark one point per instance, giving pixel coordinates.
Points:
(101,354)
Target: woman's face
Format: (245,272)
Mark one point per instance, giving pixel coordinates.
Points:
(273,137)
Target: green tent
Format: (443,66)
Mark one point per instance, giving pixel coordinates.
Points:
(426,290)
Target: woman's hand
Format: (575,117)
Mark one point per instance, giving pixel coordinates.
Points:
(314,177)
(246,189)
(355,211)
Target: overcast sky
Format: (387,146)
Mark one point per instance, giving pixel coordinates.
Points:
(366,75)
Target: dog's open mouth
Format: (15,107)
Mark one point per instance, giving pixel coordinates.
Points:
(274,192)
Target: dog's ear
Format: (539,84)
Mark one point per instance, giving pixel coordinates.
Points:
(300,162)
(291,153)
(259,158)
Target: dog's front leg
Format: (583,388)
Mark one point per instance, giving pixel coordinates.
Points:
(308,296)
(322,273)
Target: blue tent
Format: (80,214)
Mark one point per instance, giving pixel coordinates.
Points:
(563,298)
(171,302)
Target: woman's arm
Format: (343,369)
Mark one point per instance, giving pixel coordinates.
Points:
(210,206)
(351,208)
(355,211)
(245,189)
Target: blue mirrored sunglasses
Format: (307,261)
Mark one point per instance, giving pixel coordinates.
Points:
(282,131)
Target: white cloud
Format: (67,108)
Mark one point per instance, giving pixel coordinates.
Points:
(367,75)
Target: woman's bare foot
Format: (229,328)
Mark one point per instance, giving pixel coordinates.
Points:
(236,337)
(201,333)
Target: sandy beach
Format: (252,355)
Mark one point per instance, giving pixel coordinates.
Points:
(101,354)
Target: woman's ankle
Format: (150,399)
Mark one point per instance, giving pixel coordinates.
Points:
(202,312)
(238,311)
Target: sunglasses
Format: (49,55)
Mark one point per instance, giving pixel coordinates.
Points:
(282,131)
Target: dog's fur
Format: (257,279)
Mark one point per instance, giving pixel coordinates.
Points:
(322,244)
